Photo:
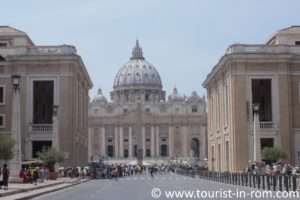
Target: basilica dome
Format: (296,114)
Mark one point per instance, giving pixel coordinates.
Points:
(137,80)
(137,73)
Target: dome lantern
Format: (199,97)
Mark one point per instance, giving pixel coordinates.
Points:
(137,52)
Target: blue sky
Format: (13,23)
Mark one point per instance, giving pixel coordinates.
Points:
(183,39)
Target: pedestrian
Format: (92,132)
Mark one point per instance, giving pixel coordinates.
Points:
(35,175)
(23,175)
(152,171)
(5,176)
(1,178)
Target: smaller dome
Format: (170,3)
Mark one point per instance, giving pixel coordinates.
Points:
(100,98)
(175,96)
(194,97)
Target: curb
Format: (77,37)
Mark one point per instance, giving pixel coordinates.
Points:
(53,190)
(29,189)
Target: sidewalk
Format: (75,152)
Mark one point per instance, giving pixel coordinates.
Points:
(27,191)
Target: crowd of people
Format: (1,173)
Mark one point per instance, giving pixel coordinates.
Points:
(123,170)
(34,175)
(279,168)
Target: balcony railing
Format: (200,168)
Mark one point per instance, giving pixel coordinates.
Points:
(267,125)
(39,50)
(277,49)
(41,128)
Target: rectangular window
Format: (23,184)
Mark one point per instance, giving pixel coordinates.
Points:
(194,109)
(297,42)
(2,120)
(262,95)
(43,96)
(148,152)
(2,95)
(3,44)
(38,146)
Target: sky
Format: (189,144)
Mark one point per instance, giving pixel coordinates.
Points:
(183,39)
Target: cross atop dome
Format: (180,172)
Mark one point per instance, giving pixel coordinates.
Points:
(137,52)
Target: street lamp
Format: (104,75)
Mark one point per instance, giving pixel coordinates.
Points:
(255,121)
(55,110)
(16,127)
(16,81)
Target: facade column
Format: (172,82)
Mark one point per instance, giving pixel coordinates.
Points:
(184,141)
(130,142)
(90,144)
(15,163)
(121,142)
(143,141)
(171,141)
(103,148)
(55,135)
(152,142)
(116,143)
(157,141)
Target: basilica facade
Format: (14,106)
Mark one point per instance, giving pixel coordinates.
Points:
(139,121)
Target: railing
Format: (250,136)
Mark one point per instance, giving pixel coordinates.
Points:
(267,125)
(39,50)
(265,182)
(52,50)
(243,48)
(41,128)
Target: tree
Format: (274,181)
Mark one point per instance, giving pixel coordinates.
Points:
(6,147)
(273,154)
(50,156)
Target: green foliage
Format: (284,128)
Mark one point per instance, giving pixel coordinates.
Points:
(51,156)
(273,154)
(6,147)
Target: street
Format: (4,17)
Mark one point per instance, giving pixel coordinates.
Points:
(140,187)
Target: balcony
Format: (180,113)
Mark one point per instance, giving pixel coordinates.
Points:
(41,128)
(267,125)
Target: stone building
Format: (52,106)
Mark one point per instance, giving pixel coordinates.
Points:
(262,76)
(140,119)
(43,97)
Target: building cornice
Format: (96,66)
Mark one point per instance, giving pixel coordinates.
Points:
(255,54)
(52,58)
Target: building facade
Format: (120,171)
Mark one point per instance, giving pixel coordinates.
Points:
(140,119)
(265,77)
(44,97)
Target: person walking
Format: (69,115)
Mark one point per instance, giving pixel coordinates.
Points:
(1,178)
(35,175)
(5,177)
(152,171)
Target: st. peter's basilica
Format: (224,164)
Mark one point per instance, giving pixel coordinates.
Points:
(138,120)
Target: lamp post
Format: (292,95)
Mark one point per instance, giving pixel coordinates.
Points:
(255,125)
(16,162)
(55,137)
